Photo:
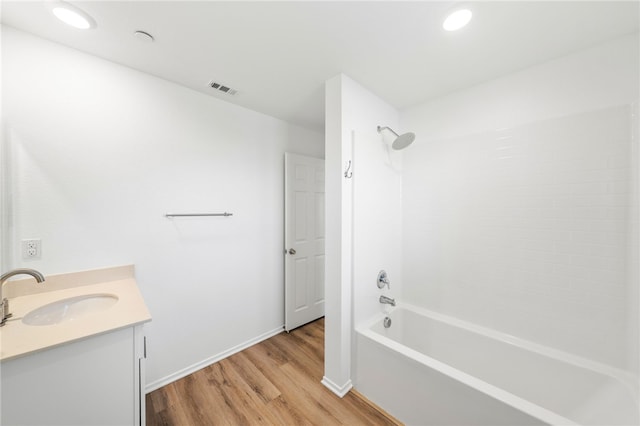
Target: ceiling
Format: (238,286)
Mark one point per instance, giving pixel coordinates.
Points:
(279,54)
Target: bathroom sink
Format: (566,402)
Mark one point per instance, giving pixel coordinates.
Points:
(70,309)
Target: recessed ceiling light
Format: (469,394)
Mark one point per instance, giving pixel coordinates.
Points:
(457,19)
(73,16)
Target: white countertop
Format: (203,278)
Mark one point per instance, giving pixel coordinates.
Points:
(18,339)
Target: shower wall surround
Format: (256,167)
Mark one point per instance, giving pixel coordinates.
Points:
(521,199)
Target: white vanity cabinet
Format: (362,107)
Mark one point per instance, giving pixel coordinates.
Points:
(97,380)
(84,365)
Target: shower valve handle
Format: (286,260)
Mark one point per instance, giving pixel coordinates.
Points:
(383,279)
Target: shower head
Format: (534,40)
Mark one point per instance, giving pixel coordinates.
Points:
(401,141)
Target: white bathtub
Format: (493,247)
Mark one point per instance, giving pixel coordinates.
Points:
(430,369)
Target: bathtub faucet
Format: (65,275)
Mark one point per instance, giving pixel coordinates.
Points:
(387,300)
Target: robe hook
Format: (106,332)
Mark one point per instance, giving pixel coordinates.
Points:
(348,173)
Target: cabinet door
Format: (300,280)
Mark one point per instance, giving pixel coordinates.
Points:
(88,382)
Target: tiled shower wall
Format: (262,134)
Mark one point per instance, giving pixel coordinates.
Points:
(528,230)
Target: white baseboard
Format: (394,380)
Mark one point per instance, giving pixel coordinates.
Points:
(338,390)
(150,387)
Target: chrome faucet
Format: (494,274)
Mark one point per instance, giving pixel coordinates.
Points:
(4,303)
(383,279)
(388,300)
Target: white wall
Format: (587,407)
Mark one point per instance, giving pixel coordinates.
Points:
(364,219)
(101,152)
(337,326)
(377,197)
(520,202)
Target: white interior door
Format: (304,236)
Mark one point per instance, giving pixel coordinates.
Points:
(304,240)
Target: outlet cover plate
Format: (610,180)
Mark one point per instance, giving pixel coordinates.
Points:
(31,249)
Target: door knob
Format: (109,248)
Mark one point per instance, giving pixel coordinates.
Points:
(292,251)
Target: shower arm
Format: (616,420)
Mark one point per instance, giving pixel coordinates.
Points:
(380,129)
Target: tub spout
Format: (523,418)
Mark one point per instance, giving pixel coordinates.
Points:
(387,300)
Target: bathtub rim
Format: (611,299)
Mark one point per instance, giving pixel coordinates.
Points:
(534,410)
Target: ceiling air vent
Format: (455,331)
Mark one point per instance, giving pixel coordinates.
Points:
(222,88)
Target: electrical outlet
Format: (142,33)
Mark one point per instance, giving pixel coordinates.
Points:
(31,249)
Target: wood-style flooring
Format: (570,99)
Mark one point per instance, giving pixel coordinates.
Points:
(276,382)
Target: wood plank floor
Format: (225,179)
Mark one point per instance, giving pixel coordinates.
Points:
(276,382)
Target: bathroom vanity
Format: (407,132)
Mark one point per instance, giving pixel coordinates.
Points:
(74,351)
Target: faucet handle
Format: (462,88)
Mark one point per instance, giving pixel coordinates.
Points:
(383,279)
(4,311)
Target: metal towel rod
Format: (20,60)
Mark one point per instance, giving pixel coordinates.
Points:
(197,214)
